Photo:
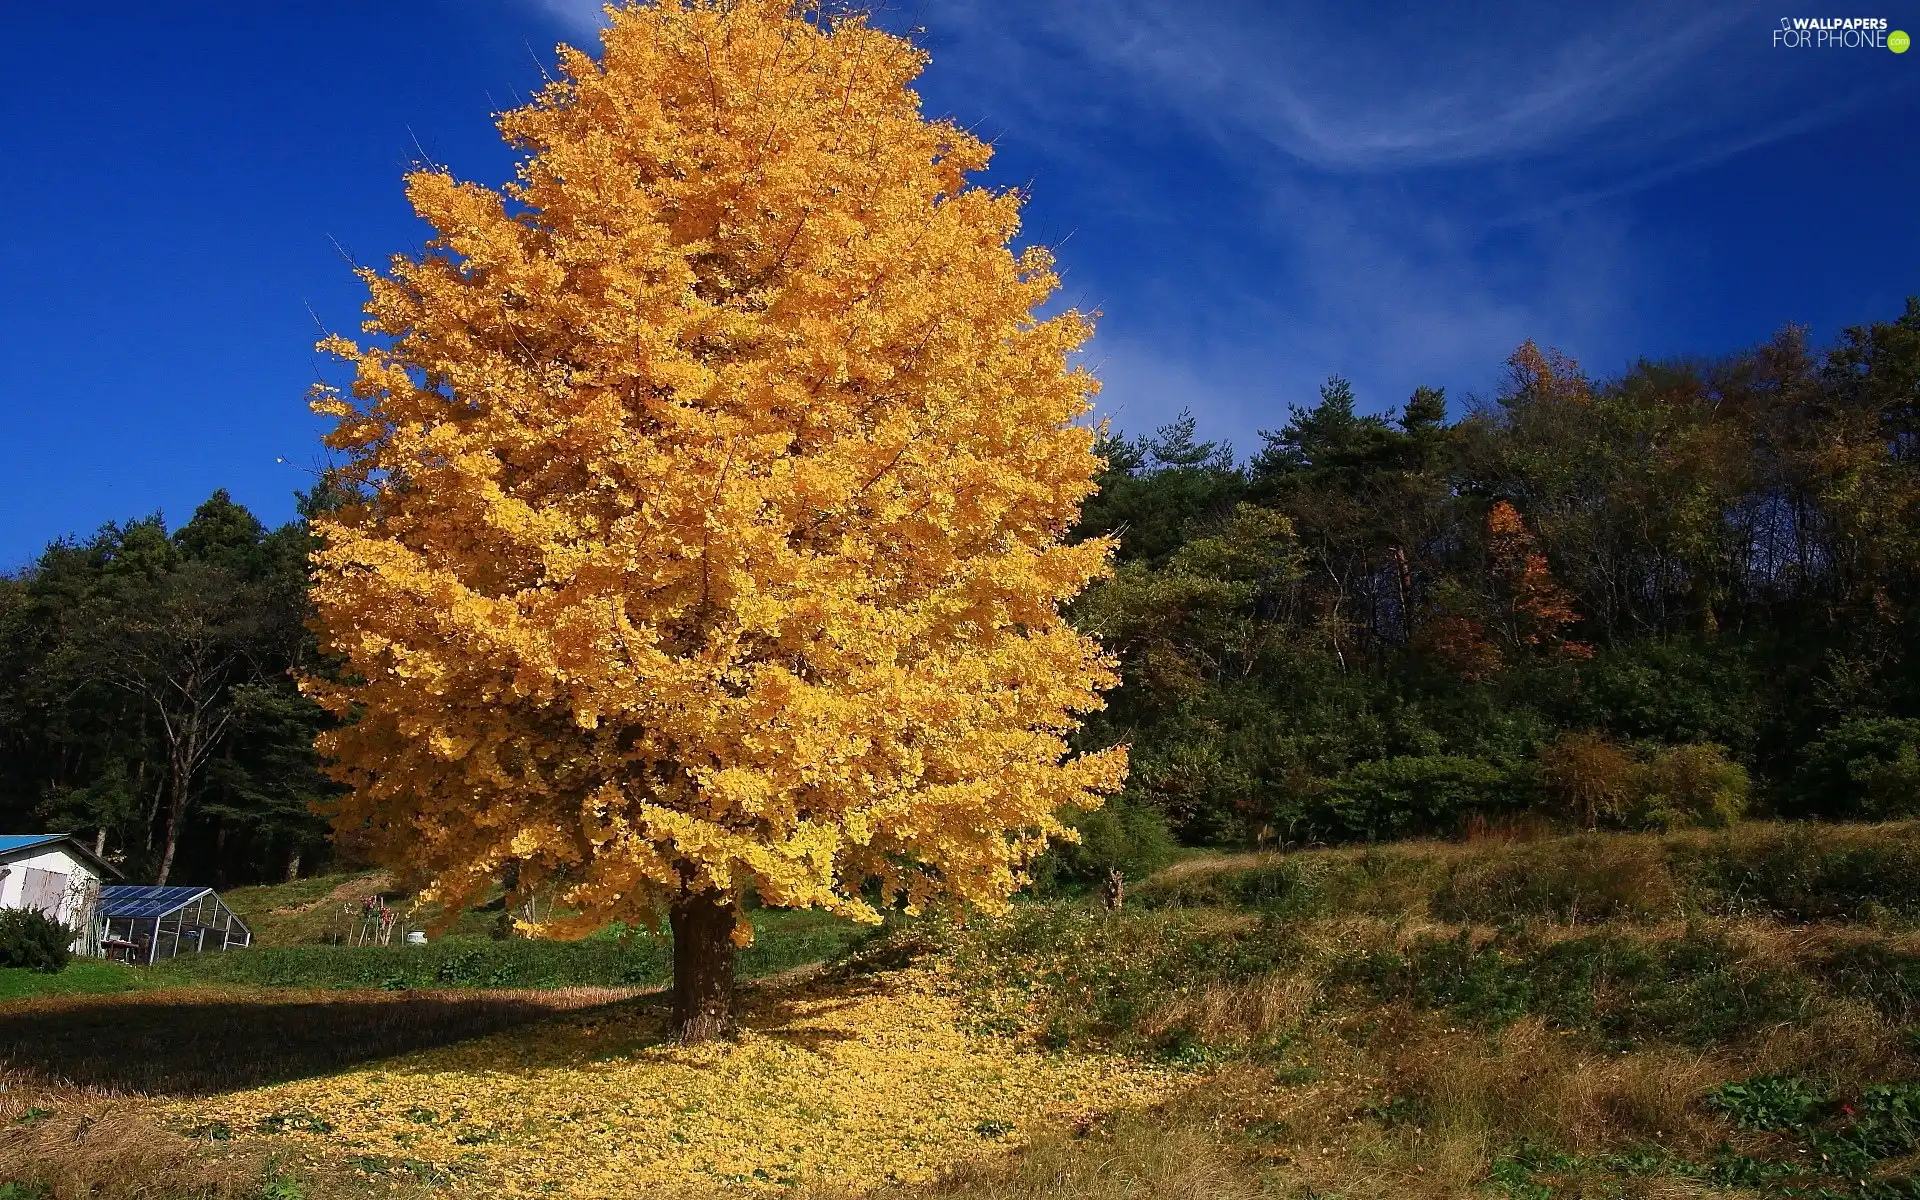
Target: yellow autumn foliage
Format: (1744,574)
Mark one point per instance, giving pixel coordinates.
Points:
(827,1090)
(714,477)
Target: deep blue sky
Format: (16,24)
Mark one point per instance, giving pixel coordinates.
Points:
(1254,197)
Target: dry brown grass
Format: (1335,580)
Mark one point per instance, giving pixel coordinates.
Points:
(1596,877)
(1530,1081)
(1213,863)
(90,1143)
(353,891)
(1406,1106)
(1181,1151)
(102,1147)
(1222,1014)
(1847,1043)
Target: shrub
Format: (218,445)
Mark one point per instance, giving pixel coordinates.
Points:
(1676,692)
(1587,777)
(31,939)
(1695,785)
(1863,768)
(1123,835)
(1893,787)
(1413,795)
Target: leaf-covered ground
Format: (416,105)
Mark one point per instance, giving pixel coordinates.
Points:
(869,1080)
(1734,1014)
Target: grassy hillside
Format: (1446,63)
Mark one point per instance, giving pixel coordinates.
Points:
(1592,1016)
(1727,1014)
(324,909)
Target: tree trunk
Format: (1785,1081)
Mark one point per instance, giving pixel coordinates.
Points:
(702,967)
(176,810)
(151,811)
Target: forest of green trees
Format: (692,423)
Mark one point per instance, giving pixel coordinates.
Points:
(1666,598)
(147,697)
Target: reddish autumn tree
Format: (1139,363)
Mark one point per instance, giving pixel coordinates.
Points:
(1535,612)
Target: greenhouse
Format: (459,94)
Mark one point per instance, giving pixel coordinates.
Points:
(146,924)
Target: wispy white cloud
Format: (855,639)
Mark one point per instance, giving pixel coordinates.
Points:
(1372,288)
(1340,90)
(1364,87)
(1263,192)
(580,18)
(1413,191)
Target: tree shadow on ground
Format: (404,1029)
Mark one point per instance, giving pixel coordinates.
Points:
(189,1043)
(178,1043)
(786,1008)
(787,1015)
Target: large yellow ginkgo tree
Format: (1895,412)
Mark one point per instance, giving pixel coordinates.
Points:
(713,481)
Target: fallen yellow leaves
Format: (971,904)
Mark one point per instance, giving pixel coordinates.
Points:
(872,1082)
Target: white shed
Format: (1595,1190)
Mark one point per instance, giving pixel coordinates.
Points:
(58,874)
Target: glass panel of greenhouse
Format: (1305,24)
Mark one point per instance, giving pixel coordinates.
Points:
(141,924)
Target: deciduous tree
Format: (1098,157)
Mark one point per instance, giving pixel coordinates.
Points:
(717,472)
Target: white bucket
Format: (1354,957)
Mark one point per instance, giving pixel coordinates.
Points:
(416,937)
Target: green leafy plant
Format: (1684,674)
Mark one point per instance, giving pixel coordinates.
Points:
(280,1187)
(1769,1103)
(31,939)
(1868,767)
(1693,785)
(1412,795)
(1124,835)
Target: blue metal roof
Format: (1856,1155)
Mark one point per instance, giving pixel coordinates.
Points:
(139,900)
(20,841)
(13,843)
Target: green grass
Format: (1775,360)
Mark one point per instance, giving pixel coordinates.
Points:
(784,940)
(83,977)
(1129,980)
(1698,989)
